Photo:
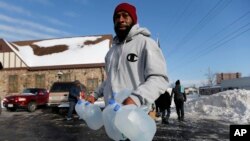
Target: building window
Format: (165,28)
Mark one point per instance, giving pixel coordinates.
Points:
(65,77)
(13,83)
(27,81)
(40,81)
(92,83)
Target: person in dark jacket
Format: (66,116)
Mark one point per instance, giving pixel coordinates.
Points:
(179,99)
(164,103)
(74,96)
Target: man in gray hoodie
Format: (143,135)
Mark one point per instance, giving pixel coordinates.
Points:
(135,63)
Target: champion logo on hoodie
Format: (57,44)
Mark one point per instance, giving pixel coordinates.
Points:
(132,57)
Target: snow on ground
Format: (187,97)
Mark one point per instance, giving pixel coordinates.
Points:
(229,106)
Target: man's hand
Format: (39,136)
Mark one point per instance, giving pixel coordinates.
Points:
(91,99)
(129,101)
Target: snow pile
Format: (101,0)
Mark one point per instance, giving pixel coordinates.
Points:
(231,106)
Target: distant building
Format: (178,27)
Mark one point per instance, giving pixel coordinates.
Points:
(208,90)
(239,83)
(191,90)
(39,63)
(226,76)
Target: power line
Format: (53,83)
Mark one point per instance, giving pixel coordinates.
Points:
(221,42)
(176,22)
(215,35)
(226,27)
(213,12)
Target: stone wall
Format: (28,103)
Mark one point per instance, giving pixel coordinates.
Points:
(28,78)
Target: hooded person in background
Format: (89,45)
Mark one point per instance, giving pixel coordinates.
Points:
(134,62)
(179,99)
(164,104)
(74,96)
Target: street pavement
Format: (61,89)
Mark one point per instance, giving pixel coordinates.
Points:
(47,125)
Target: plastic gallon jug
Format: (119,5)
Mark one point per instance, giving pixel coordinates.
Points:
(135,123)
(122,95)
(93,116)
(109,114)
(80,106)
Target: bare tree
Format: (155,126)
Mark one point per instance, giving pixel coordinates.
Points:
(210,77)
(203,83)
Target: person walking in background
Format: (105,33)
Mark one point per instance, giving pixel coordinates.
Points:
(164,104)
(74,96)
(134,62)
(179,99)
(157,107)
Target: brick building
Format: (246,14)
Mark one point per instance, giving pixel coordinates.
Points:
(39,63)
(226,76)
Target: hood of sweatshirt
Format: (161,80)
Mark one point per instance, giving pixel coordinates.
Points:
(135,30)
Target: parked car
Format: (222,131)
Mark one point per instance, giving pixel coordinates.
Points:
(29,99)
(59,93)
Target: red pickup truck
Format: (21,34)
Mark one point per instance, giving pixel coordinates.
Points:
(29,99)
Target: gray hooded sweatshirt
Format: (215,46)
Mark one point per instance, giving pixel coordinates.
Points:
(137,64)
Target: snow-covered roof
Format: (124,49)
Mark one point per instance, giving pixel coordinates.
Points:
(63,51)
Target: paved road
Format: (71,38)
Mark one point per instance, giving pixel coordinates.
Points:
(44,125)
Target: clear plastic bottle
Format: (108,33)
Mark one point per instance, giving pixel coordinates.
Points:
(93,116)
(109,114)
(135,123)
(122,95)
(80,106)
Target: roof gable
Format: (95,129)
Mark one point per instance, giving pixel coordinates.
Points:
(4,47)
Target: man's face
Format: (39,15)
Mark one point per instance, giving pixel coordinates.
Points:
(123,23)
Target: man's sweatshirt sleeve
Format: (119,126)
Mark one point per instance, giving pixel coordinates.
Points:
(155,73)
(99,91)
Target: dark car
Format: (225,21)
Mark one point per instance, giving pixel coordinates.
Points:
(29,99)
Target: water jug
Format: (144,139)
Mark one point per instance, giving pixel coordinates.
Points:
(122,95)
(109,114)
(80,106)
(93,116)
(135,123)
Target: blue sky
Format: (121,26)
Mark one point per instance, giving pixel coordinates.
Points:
(194,35)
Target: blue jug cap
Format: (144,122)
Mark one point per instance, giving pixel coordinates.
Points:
(113,95)
(87,103)
(117,107)
(111,101)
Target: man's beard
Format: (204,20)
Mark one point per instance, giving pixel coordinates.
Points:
(122,34)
